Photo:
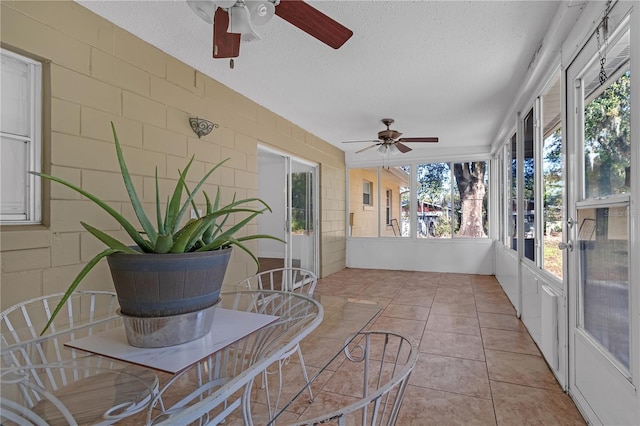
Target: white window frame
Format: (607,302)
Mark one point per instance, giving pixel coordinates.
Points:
(369,193)
(33,210)
(388,216)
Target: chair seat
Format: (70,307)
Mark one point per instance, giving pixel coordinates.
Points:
(114,393)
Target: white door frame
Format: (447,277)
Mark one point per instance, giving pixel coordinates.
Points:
(286,224)
(602,390)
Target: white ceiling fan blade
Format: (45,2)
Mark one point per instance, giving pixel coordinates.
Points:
(368,140)
(369,147)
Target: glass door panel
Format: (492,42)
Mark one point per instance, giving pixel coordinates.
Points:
(302,216)
(603,250)
(289,187)
(607,139)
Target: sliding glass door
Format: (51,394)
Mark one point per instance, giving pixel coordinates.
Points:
(289,186)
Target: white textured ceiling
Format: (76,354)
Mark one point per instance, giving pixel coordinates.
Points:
(440,68)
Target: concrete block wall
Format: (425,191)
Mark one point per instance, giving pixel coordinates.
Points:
(96,73)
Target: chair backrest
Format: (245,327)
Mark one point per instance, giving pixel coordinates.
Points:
(386,360)
(82,315)
(24,321)
(52,375)
(297,280)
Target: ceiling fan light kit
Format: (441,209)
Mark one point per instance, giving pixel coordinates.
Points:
(203,9)
(240,23)
(234,20)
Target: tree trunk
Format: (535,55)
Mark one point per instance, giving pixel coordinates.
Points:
(470,182)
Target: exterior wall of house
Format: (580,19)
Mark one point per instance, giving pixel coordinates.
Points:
(364,218)
(95,73)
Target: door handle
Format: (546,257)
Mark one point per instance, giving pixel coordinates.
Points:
(568,245)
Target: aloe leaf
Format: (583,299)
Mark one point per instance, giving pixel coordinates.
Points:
(133,233)
(260,236)
(164,243)
(215,245)
(173,209)
(133,196)
(196,189)
(217,227)
(187,238)
(191,200)
(235,228)
(206,235)
(166,215)
(75,283)
(205,223)
(246,249)
(108,239)
(158,212)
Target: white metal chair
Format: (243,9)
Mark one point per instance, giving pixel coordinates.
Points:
(211,391)
(50,372)
(290,279)
(386,360)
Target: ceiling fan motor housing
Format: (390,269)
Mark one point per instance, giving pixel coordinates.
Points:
(388,135)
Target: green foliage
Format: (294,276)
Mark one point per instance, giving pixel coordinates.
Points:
(433,182)
(301,190)
(607,139)
(204,233)
(443,226)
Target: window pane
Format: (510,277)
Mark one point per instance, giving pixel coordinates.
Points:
(552,179)
(471,199)
(607,140)
(20,110)
(528,207)
(363,193)
(302,202)
(13,159)
(513,194)
(405,195)
(433,209)
(387,209)
(603,244)
(14,107)
(553,187)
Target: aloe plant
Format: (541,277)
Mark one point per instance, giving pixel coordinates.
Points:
(204,233)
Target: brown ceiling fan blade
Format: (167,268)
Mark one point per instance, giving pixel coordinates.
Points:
(225,45)
(402,148)
(369,147)
(313,22)
(418,140)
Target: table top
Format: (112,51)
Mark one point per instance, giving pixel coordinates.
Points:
(297,316)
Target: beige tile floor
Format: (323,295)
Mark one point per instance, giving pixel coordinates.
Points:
(477,363)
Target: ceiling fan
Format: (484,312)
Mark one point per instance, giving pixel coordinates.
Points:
(389,140)
(234,20)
